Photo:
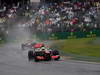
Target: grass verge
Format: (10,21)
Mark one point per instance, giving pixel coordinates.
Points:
(79,48)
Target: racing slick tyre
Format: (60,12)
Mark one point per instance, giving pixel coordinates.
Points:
(55,52)
(30,55)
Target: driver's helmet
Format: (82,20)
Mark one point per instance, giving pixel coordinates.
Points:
(43,48)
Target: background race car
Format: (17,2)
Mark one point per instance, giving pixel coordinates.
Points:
(28,45)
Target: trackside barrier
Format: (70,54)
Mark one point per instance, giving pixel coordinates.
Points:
(68,35)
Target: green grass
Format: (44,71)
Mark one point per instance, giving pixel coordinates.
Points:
(83,47)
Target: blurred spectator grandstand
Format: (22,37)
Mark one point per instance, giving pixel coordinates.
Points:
(67,16)
(10,11)
(8,8)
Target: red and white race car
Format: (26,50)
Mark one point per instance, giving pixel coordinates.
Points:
(42,53)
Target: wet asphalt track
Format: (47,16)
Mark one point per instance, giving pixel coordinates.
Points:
(13,61)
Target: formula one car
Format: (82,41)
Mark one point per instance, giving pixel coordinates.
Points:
(28,45)
(43,53)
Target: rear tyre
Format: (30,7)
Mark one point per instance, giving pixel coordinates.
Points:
(30,55)
(55,52)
